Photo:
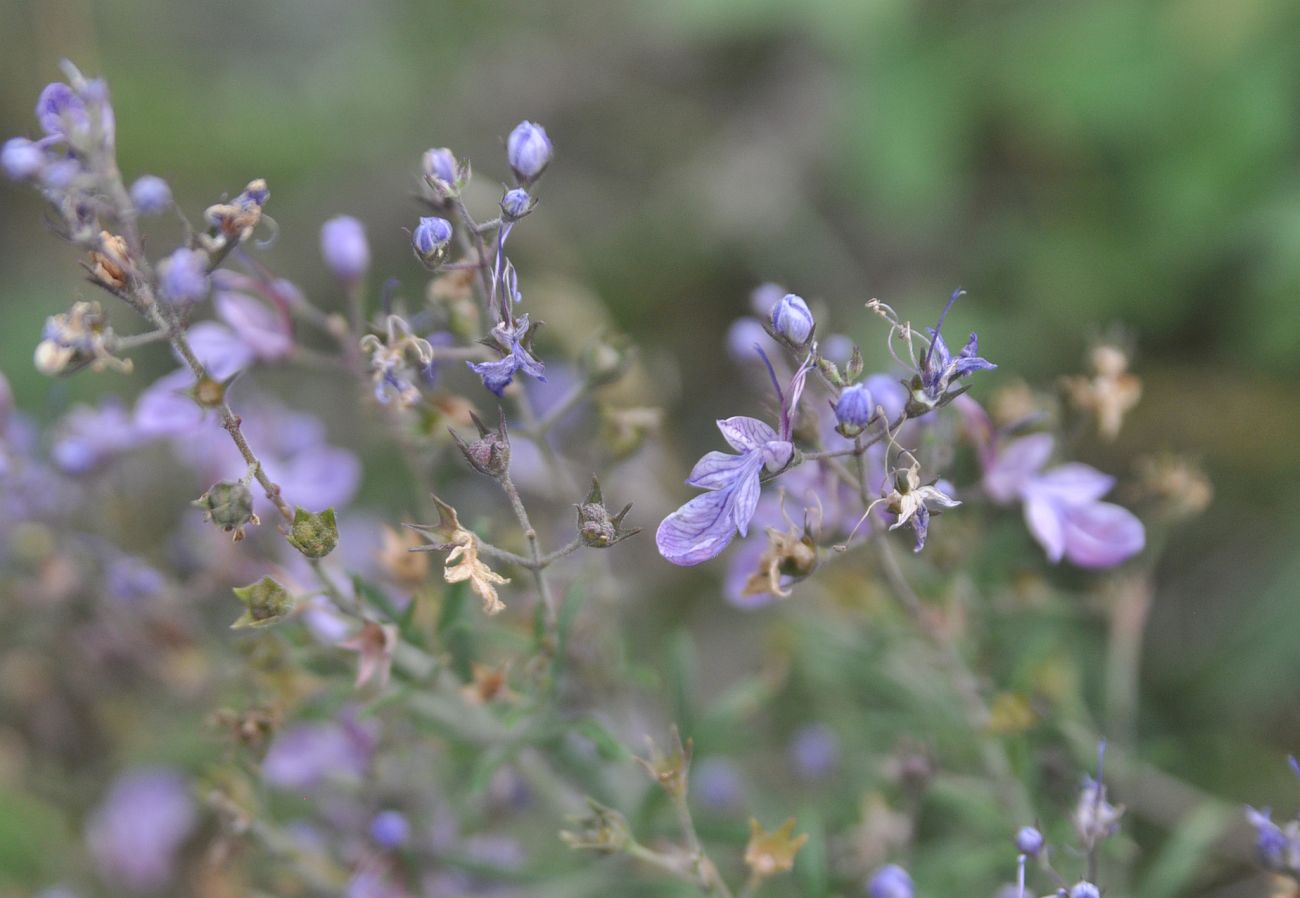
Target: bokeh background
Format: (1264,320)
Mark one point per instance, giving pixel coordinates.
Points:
(1077,167)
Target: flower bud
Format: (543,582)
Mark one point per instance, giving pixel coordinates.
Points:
(853,410)
(183,276)
(229,505)
(21,159)
(314,534)
(792,320)
(597,528)
(267,602)
(151,195)
(431,240)
(490,453)
(1084,890)
(891,881)
(529,151)
(344,248)
(1029,841)
(516,204)
(439,164)
(390,829)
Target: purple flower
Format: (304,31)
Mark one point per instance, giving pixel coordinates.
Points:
(303,757)
(854,409)
(430,238)
(183,276)
(440,164)
(764,297)
(344,248)
(529,151)
(940,369)
(265,331)
(514,340)
(1084,890)
(516,204)
(792,319)
(1062,506)
(129,578)
(717,783)
(890,881)
(60,110)
(705,525)
(888,393)
(151,195)
(1271,843)
(88,437)
(21,159)
(1029,840)
(138,830)
(390,829)
(744,334)
(814,751)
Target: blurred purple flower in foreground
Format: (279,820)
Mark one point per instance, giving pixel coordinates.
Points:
(1062,505)
(138,830)
(304,756)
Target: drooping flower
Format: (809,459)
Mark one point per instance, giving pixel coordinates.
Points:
(705,525)
(528,151)
(344,248)
(515,340)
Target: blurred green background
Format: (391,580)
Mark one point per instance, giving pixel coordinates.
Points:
(1073,165)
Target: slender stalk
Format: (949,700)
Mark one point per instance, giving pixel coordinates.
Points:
(534,551)
(1011,791)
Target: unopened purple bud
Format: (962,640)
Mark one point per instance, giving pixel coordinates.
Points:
(1029,840)
(529,151)
(344,248)
(1084,890)
(440,163)
(151,195)
(516,204)
(792,319)
(390,829)
(183,276)
(21,159)
(891,881)
(854,409)
(431,238)
(59,174)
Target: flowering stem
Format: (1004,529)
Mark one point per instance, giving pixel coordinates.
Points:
(229,420)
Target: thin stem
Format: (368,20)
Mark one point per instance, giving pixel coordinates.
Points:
(1011,791)
(534,551)
(133,341)
(705,873)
